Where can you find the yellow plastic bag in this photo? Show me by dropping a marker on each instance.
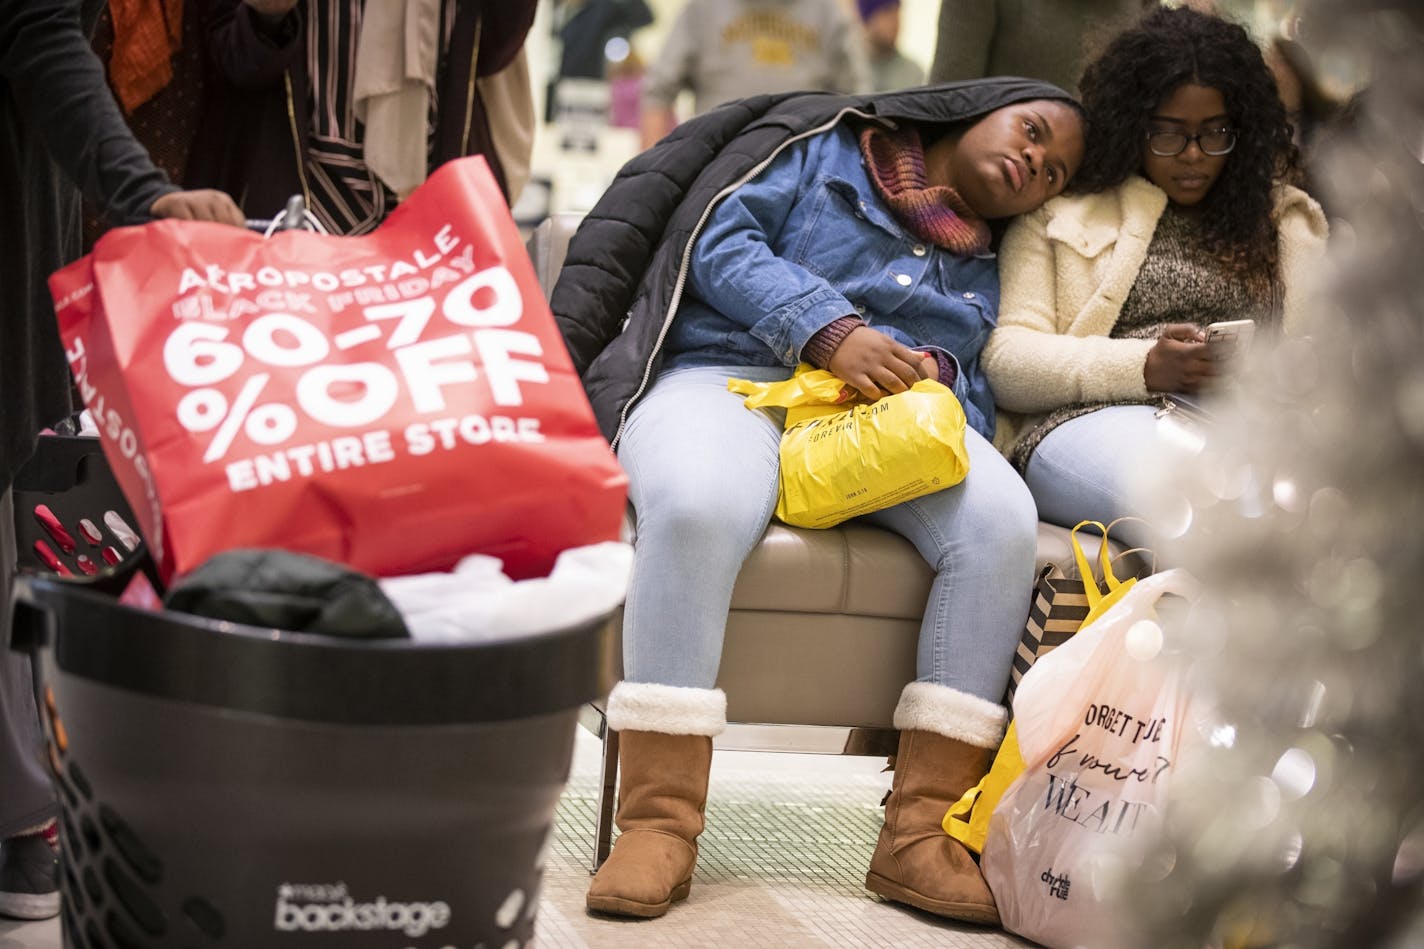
(967, 820)
(842, 459)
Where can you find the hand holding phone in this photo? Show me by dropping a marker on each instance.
(1227, 340)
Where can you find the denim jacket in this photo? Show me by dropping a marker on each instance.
(810, 240)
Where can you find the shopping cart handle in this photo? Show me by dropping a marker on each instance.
(294, 215)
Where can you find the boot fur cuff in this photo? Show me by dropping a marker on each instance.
(927, 707)
(669, 709)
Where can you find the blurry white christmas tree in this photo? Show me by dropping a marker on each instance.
(1305, 826)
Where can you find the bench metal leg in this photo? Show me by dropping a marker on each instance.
(607, 798)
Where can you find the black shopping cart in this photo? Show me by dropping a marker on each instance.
(71, 519)
(231, 786)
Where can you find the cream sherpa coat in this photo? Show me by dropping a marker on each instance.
(1065, 271)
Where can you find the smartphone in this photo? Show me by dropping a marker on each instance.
(1228, 339)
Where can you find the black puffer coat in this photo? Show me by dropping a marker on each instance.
(626, 267)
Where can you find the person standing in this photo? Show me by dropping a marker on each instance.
(61, 134)
(1040, 39)
(319, 98)
(588, 26)
(722, 50)
(890, 69)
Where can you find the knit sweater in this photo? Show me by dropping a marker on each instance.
(1067, 269)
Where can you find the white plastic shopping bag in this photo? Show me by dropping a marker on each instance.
(1102, 721)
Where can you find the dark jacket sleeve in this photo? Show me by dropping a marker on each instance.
(249, 54)
(59, 88)
(504, 24)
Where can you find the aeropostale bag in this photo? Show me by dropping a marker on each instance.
(392, 401)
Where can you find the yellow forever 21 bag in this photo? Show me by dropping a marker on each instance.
(840, 459)
(967, 820)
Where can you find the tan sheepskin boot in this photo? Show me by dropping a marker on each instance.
(664, 756)
(947, 742)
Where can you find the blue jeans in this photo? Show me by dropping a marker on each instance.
(703, 474)
(1084, 469)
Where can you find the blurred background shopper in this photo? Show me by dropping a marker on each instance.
(721, 50)
(351, 104)
(60, 133)
(889, 68)
(1044, 39)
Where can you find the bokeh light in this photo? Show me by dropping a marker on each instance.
(1299, 819)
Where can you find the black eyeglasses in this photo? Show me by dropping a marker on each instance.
(1213, 142)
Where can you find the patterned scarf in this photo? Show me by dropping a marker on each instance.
(146, 35)
(935, 213)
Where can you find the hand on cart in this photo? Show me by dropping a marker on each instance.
(202, 205)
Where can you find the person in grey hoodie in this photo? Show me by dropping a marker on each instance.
(722, 50)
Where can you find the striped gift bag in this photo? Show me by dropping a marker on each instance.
(1060, 604)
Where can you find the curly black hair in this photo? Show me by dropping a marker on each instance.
(1143, 65)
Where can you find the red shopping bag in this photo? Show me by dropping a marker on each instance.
(392, 401)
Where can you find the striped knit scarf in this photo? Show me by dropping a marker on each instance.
(935, 213)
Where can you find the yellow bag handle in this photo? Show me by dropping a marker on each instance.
(1085, 572)
(809, 386)
(810, 393)
(1095, 593)
(962, 821)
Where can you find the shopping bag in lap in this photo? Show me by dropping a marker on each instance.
(840, 460)
(392, 401)
(1103, 722)
(1061, 606)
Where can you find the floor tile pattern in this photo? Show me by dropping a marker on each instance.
(781, 865)
(787, 843)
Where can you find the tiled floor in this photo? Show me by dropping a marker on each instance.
(29, 935)
(780, 865)
(787, 842)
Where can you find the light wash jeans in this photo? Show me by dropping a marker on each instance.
(703, 473)
(1082, 470)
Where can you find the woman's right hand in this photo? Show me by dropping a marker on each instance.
(1180, 361)
(876, 365)
(205, 204)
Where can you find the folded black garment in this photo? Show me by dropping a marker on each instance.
(278, 588)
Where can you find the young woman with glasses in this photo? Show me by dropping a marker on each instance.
(1183, 214)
